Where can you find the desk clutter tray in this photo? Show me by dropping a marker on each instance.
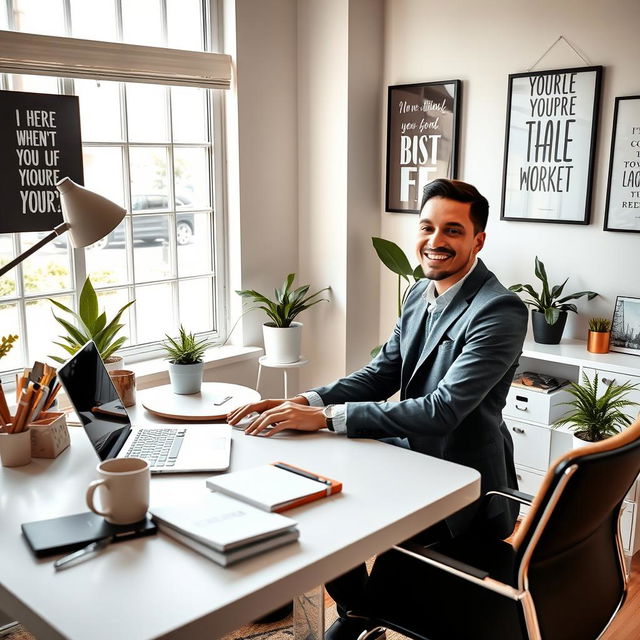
(49, 435)
(213, 402)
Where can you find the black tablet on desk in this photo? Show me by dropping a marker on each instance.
(68, 533)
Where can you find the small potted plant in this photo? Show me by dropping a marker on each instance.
(281, 334)
(185, 354)
(595, 415)
(92, 324)
(599, 335)
(549, 309)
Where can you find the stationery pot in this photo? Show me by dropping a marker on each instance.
(15, 448)
(598, 341)
(282, 344)
(186, 378)
(545, 333)
(113, 363)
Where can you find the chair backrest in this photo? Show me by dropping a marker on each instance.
(568, 552)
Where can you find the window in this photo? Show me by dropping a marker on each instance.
(150, 148)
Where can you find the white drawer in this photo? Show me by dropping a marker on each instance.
(607, 377)
(530, 444)
(545, 408)
(626, 525)
(528, 481)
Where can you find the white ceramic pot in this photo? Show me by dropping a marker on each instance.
(282, 344)
(186, 378)
(114, 362)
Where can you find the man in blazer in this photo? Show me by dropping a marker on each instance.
(452, 356)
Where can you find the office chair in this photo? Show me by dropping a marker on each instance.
(562, 577)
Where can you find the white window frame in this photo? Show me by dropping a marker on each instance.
(31, 54)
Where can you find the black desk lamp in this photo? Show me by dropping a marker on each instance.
(88, 217)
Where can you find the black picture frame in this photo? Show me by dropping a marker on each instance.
(622, 207)
(422, 140)
(550, 143)
(625, 326)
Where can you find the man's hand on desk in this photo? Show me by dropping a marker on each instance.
(277, 415)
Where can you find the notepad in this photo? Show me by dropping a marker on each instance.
(273, 488)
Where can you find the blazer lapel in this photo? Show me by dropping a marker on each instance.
(451, 313)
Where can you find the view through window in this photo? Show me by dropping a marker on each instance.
(149, 148)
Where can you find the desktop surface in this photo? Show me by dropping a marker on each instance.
(155, 587)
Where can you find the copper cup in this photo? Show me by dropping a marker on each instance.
(125, 384)
(598, 341)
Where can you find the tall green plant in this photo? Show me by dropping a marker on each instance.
(91, 325)
(288, 303)
(594, 417)
(548, 300)
(395, 259)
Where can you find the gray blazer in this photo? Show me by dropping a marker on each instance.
(452, 390)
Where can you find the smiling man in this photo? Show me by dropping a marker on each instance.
(452, 356)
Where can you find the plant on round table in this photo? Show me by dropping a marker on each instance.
(548, 300)
(596, 416)
(91, 323)
(186, 348)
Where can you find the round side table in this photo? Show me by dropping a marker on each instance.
(263, 361)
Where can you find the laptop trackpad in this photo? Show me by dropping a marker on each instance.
(206, 448)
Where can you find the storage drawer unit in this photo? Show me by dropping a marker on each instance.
(545, 408)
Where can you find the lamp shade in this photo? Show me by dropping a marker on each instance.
(90, 216)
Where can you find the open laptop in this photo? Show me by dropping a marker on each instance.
(167, 448)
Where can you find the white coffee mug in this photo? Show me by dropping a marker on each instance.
(125, 490)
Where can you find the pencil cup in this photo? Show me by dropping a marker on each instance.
(125, 383)
(15, 448)
(49, 435)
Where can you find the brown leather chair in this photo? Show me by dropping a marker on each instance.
(562, 577)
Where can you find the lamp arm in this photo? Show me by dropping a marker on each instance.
(61, 228)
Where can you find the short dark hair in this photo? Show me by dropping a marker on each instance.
(460, 192)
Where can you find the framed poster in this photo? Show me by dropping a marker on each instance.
(622, 209)
(422, 140)
(39, 145)
(550, 143)
(625, 328)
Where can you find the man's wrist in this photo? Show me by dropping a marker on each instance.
(300, 399)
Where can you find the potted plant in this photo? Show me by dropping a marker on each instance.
(549, 310)
(599, 335)
(395, 259)
(595, 416)
(92, 324)
(281, 334)
(185, 354)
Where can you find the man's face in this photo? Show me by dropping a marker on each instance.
(447, 243)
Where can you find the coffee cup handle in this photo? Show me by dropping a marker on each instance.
(91, 489)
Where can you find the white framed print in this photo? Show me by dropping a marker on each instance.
(625, 328)
(622, 209)
(550, 143)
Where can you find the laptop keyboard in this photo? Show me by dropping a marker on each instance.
(159, 447)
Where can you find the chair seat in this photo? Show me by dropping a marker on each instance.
(424, 602)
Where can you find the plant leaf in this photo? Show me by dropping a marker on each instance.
(392, 256)
(88, 305)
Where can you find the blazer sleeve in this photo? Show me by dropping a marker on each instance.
(378, 380)
(493, 342)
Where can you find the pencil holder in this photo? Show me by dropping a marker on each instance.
(15, 448)
(49, 435)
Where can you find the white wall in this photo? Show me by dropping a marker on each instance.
(481, 43)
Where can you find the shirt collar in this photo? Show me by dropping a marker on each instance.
(435, 302)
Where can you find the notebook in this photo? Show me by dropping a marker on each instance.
(167, 448)
(274, 487)
(223, 529)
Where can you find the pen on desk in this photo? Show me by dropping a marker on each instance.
(94, 547)
(301, 472)
(225, 399)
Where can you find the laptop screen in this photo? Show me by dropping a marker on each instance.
(96, 401)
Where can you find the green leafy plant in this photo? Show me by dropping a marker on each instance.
(548, 301)
(600, 325)
(595, 417)
(288, 303)
(186, 348)
(6, 344)
(395, 259)
(91, 323)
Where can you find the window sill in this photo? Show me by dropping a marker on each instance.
(153, 372)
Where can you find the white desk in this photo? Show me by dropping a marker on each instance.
(157, 588)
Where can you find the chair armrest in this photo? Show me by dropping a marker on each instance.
(440, 558)
(512, 494)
